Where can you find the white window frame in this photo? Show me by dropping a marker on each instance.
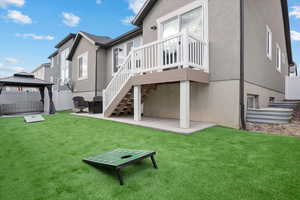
(278, 58)
(183, 10)
(124, 47)
(66, 71)
(86, 54)
(52, 62)
(269, 42)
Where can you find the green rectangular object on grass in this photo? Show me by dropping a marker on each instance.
(120, 158)
(33, 118)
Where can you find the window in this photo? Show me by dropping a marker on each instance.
(189, 19)
(52, 62)
(278, 58)
(269, 43)
(64, 66)
(252, 101)
(83, 66)
(51, 79)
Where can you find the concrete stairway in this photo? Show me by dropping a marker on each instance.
(125, 107)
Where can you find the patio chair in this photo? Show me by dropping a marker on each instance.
(80, 103)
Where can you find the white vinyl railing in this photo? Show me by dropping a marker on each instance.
(181, 50)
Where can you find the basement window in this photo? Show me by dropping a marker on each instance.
(252, 101)
(278, 58)
(269, 43)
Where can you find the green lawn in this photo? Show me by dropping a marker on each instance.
(43, 161)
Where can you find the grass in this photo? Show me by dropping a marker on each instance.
(43, 161)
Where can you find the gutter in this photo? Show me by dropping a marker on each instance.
(242, 65)
(96, 72)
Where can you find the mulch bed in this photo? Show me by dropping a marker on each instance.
(292, 129)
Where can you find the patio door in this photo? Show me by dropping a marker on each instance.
(189, 20)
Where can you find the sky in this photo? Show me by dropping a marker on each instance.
(31, 28)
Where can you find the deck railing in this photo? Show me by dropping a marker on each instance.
(181, 50)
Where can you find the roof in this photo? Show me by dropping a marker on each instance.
(53, 54)
(23, 79)
(103, 41)
(148, 5)
(41, 66)
(98, 40)
(126, 36)
(66, 39)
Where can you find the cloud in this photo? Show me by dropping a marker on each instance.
(136, 5)
(127, 20)
(5, 3)
(18, 17)
(295, 12)
(11, 69)
(34, 36)
(70, 19)
(295, 35)
(11, 60)
(99, 1)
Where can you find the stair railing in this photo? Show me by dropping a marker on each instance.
(180, 50)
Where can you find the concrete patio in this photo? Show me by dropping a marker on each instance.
(171, 125)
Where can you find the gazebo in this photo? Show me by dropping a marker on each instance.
(24, 79)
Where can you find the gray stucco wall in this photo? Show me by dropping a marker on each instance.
(224, 37)
(258, 68)
(86, 85)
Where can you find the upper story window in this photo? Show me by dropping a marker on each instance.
(64, 66)
(269, 43)
(278, 58)
(187, 19)
(83, 66)
(52, 62)
(120, 52)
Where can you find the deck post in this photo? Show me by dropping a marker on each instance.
(184, 104)
(137, 96)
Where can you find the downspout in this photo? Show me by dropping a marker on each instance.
(242, 65)
(96, 76)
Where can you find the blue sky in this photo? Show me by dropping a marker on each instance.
(31, 28)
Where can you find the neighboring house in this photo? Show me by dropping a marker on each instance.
(61, 73)
(42, 72)
(96, 58)
(60, 70)
(188, 60)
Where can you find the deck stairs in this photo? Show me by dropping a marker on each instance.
(125, 107)
(277, 113)
(183, 50)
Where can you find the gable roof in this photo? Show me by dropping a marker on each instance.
(65, 40)
(138, 21)
(148, 5)
(53, 54)
(94, 39)
(103, 41)
(39, 67)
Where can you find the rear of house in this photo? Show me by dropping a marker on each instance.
(183, 61)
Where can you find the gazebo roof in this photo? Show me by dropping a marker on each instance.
(24, 79)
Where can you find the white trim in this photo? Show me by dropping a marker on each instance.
(124, 47)
(86, 54)
(278, 58)
(269, 41)
(183, 10)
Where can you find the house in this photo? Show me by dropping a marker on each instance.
(60, 68)
(191, 60)
(42, 72)
(60, 73)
